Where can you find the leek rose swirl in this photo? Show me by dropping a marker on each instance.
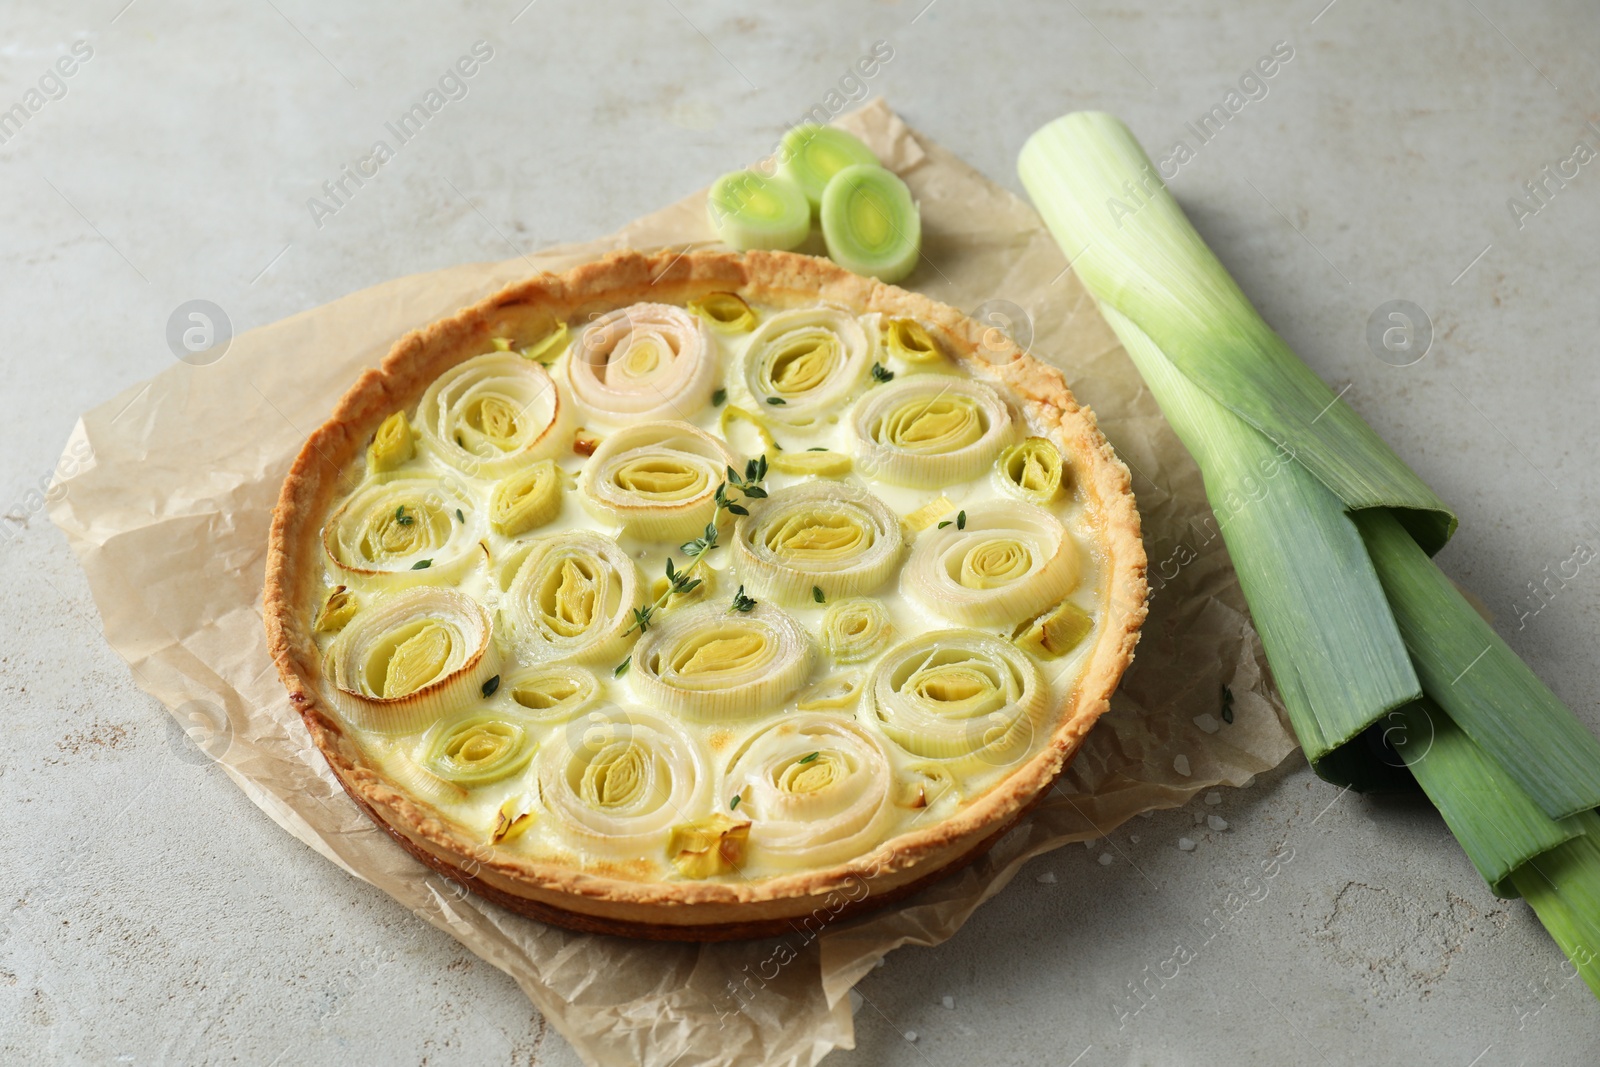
(817, 790)
(407, 659)
(998, 567)
(572, 598)
(550, 693)
(931, 430)
(816, 535)
(1031, 469)
(709, 664)
(648, 361)
(615, 782)
(961, 696)
(478, 749)
(490, 415)
(657, 480)
(803, 365)
(855, 629)
(393, 523)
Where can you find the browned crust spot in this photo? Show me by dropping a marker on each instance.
(604, 903)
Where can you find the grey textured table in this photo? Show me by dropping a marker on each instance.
(151, 914)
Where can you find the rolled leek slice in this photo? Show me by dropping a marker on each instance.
(813, 154)
(477, 749)
(930, 430)
(817, 790)
(657, 480)
(572, 598)
(709, 664)
(710, 846)
(870, 223)
(816, 535)
(403, 529)
(340, 607)
(1031, 469)
(750, 210)
(392, 446)
(855, 629)
(490, 415)
(803, 365)
(405, 660)
(552, 692)
(1003, 564)
(646, 361)
(725, 312)
(615, 782)
(964, 697)
(527, 499)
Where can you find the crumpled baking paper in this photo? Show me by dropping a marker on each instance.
(170, 518)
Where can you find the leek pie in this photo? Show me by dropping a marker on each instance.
(692, 597)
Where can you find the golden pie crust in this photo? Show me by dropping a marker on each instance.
(692, 911)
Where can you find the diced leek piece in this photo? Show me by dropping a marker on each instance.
(725, 312)
(393, 444)
(750, 210)
(870, 223)
(813, 154)
(709, 846)
(911, 341)
(1056, 632)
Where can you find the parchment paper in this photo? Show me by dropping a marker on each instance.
(170, 519)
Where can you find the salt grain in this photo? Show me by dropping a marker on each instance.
(1185, 845)
(1133, 839)
(1048, 878)
(1208, 723)
(1181, 765)
(949, 1002)
(911, 1035)
(1105, 859)
(1213, 798)
(1199, 817)
(1217, 823)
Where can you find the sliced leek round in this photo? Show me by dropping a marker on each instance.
(646, 361)
(930, 430)
(478, 749)
(817, 790)
(993, 567)
(572, 598)
(855, 629)
(802, 366)
(406, 659)
(403, 529)
(491, 414)
(657, 480)
(616, 781)
(709, 663)
(814, 536)
(964, 697)
(1031, 469)
(870, 223)
(813, 154)
(750, 210)
(527, 499)
(551, 692)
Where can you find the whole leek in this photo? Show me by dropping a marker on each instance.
(1330, 532)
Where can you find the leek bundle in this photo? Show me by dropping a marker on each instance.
(1331, 533)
